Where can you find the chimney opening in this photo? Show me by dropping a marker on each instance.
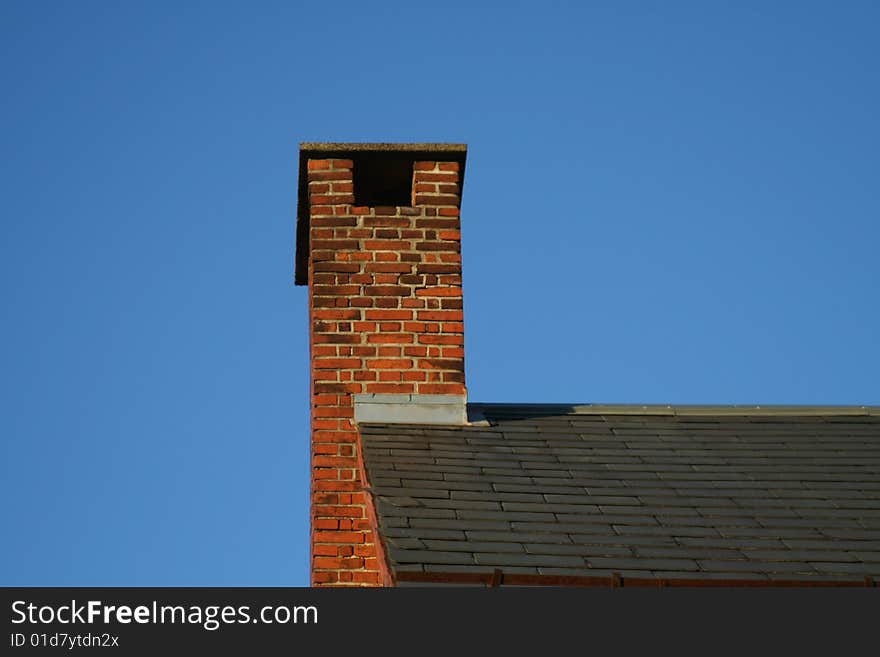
(383, 179)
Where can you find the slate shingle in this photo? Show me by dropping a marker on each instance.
(557, 490)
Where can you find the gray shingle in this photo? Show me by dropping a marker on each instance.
(474, 546)
(537, 560)
(429, 556)
(645, 563)
(522, 537)
(579, 549)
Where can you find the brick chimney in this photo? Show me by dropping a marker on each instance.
(377, 243)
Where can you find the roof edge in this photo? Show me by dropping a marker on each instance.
(616, 580)
(686, 410)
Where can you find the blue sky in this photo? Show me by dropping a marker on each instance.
(664, 203)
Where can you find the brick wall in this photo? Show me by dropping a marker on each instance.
(385, 309)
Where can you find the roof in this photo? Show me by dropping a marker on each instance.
(319, 150)
(555, 493)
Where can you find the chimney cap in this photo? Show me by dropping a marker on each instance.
(312, 149)
(335, 147)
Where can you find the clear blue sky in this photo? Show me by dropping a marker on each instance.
(665, 202)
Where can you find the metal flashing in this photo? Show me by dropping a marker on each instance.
(410, 409)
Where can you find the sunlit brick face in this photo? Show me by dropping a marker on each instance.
(385, 306)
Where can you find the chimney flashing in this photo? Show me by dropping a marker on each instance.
(410, 409)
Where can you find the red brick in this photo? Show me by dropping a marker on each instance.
(421, 176)
(331, 199)
(455, 340)
(325, 577)
(334, 461)
(340, 511)
(390, 364)
(335, 245)
(348, 538)
(392, 338)
(436, 199)
(437, 246)
(325, 550)
(388, 279)
(386, 291)
(329, 175)
(387, 245)
(439, 292)
(332, 411)
(440, 315)
(333, 436)
(335, 563)
(336, 363)
(337, 339)
(325, 524)
(386, 222)
(388, 314)
(333, 222)
(336, 485)
(388, 267)
(440, 388)
(325, 473)
(452, 224)
(336, 267)
(440, 364)
(389, 387)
